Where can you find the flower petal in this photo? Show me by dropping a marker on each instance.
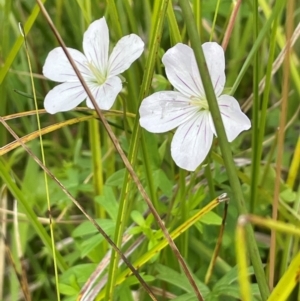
(182, 70)
(192, 141)
(235, 121)
(96, 44)
(106, 93)
(215, 60)
(64, 97)
(127, 50)
(164, 111)
(58, 68)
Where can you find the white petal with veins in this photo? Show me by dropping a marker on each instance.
(127, 50)
(64, 97)
(96, 44)
(58, 68)
(192, 142)
(105, 95)
(164, 111)
(215, 60)
(179, 62)
(235, 121)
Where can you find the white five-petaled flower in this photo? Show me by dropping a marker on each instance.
(187, 109)
(99, 70)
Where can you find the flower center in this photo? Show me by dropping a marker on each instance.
(201, 103)
(99, 76)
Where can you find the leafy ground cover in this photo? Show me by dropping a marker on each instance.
(111, 204)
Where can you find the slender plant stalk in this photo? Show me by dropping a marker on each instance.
(236, 6)
(217, 247)
(241, 257)
(261, 132)
(214, 20)
(224, 145)
(44, 162)
(174, 30)
(95, 143)
(255, 116)
(281, 135)
(265, 101)
(210, 179)
(148, 172)
(294, 167)
(183, 210)
(197, 7)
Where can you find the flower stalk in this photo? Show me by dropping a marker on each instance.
(224, 145)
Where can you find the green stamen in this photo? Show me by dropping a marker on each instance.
(201, 103)
(100, 78)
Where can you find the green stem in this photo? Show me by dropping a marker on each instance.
(134, 143)
(255, 116)
(214, 21)
(95, 143)
(263, 32)
(224, 144)
(173, 26)
(197, 7)
(184, 211)
(263, 115)
(210, 180)
(148, 172)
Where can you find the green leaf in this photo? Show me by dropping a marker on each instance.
(137, 217)
(173, 277)
(231, 277)
(135, 230)
(211, 218)
(288, 195)
(162, 182)
(67, 290)
(152, 149)
(116, 179)
(108, 202)
(80, 273)
(160, 83)
(162, 149)
(233, 290)
(87, 227)
(91, 243)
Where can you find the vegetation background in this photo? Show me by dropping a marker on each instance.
(78, 151)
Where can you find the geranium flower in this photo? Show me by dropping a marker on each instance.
(99, 70)
(187, 109)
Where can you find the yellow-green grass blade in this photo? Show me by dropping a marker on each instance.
(15, 49)
(287, 282)
(9, 147)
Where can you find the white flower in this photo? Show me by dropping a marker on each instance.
(99, 70)
(187, 110)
